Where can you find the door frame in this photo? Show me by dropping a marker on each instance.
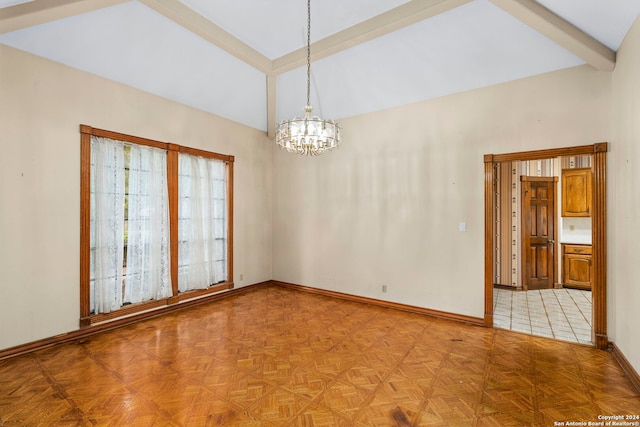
(598, 152)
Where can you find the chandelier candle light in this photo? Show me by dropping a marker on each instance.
(309, 135)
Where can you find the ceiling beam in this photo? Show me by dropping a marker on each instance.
(560, 31)
(37, 12)
(196, 23)
(385, 23)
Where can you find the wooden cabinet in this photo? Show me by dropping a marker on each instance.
(576, 192)
(577, 268)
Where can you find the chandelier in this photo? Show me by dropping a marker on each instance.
(308, 135)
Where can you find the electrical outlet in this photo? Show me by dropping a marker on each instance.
(241, 277)
(384, 288)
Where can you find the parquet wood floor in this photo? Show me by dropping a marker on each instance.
(279, 357)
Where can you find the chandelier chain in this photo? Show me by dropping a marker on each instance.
(308, 52)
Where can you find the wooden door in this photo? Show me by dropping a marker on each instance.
(538, 232)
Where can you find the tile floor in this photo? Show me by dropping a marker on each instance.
(563, 314)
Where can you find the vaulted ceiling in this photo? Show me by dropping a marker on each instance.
(245, 59)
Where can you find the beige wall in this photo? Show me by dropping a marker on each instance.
(382, 210)
(42, 105)
(624, 201)
(385, 208)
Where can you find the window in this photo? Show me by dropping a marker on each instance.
(202, 227)
(155, 224)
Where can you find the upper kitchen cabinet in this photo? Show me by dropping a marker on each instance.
(576, 192)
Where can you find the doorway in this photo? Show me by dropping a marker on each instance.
(598, 153)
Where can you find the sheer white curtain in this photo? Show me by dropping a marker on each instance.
(202, 225)
(107, 223)
(148, 271)
(144, 205)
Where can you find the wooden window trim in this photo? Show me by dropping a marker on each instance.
(86, 132)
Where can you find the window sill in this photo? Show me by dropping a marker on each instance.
(155, 308)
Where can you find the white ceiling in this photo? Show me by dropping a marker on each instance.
(278, 27)
(242, 59)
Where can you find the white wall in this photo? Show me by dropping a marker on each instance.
(385, 208)
(42, 105)
(623, 191)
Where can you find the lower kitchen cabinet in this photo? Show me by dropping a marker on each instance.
(577, 267)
